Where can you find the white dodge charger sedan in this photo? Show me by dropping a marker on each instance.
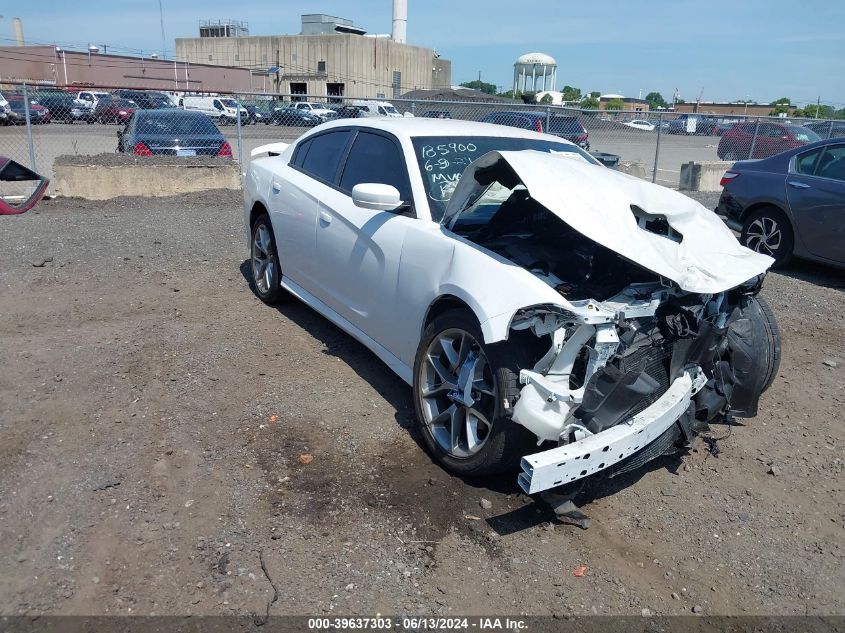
(548, 312)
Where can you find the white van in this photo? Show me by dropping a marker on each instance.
(378, 108)
(224, 110)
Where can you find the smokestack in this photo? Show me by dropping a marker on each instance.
(17, 26)
(400, 21)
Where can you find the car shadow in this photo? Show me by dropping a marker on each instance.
(369, 367)
(814, 273)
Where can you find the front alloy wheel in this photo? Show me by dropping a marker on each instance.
(264, 261)
(458, 396)
(464, 391)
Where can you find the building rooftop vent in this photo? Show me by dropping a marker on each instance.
(224, 28)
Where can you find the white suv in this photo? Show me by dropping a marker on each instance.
(316, 109)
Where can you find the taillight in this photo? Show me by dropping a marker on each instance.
(141, 149)
(225, 149)
(583, 137)
(728, 177)
(538, 125)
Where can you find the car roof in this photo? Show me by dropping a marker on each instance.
(170, 113)
(421, 126)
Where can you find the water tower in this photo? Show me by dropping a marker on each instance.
(531, 67)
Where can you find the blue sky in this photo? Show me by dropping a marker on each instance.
(733, 49)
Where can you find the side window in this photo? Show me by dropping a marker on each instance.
(375, 158)
(832, 163)
(324, 154)
(301, 152)
(806, 162)
(381, 110)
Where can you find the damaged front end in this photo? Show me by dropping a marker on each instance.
(651, 368)
(658, 330)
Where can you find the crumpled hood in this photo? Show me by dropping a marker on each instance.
(597, 202)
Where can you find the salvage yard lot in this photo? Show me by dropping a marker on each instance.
(162, 432)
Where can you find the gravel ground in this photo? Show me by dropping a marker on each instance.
(163, 433)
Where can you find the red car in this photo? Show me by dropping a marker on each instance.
(17, 112)
(768, 139)
(117, 111)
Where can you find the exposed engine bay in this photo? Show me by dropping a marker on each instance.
(635, 365)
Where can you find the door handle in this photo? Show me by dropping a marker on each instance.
(798, 184)
(325, 217)
(277, 188)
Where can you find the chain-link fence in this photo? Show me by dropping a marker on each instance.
(42, 124)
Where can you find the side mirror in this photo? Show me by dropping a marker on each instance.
(376, 196)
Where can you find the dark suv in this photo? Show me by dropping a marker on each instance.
(145, 100)
(568, 127)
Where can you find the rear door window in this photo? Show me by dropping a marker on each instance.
(806, 162)
(832, 163)
(324, 154)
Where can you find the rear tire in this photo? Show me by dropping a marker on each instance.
(769, 232)
(264, 262)
(486, 440)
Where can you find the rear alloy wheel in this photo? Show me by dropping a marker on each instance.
(460, 391)
(767, 231)
(732, 156)
(264, 262)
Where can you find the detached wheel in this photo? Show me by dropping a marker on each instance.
(769, 232)
(460, 387)
(264, 262)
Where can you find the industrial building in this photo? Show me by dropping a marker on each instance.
(330, 57)
(49, 65)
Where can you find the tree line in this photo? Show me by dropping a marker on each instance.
(590, 101)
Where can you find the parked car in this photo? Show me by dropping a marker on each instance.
(63, 108)
(295, 117)
(543, 308)
(258, 112)
(147, 100)
(827, 129)
(438, 114)
(172, 133)
(693, 124)
(568, 127)
(350, 112)
(767, 137)
(90, 97)
(641, 124)
(116, 111)
(319, 110)
(16, 115)
(790, 204)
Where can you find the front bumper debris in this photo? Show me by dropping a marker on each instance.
(570, 462)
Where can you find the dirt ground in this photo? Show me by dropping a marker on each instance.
(154, 416)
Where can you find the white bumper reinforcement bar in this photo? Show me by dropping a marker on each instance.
(568, 463)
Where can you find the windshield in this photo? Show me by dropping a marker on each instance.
(804, 134)
(390, 109)
(442, 160)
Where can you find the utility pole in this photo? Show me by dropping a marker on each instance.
(163, 40)
(818, 105)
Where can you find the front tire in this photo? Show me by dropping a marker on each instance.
(264, 262)
(464, 391)
(769, 232)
